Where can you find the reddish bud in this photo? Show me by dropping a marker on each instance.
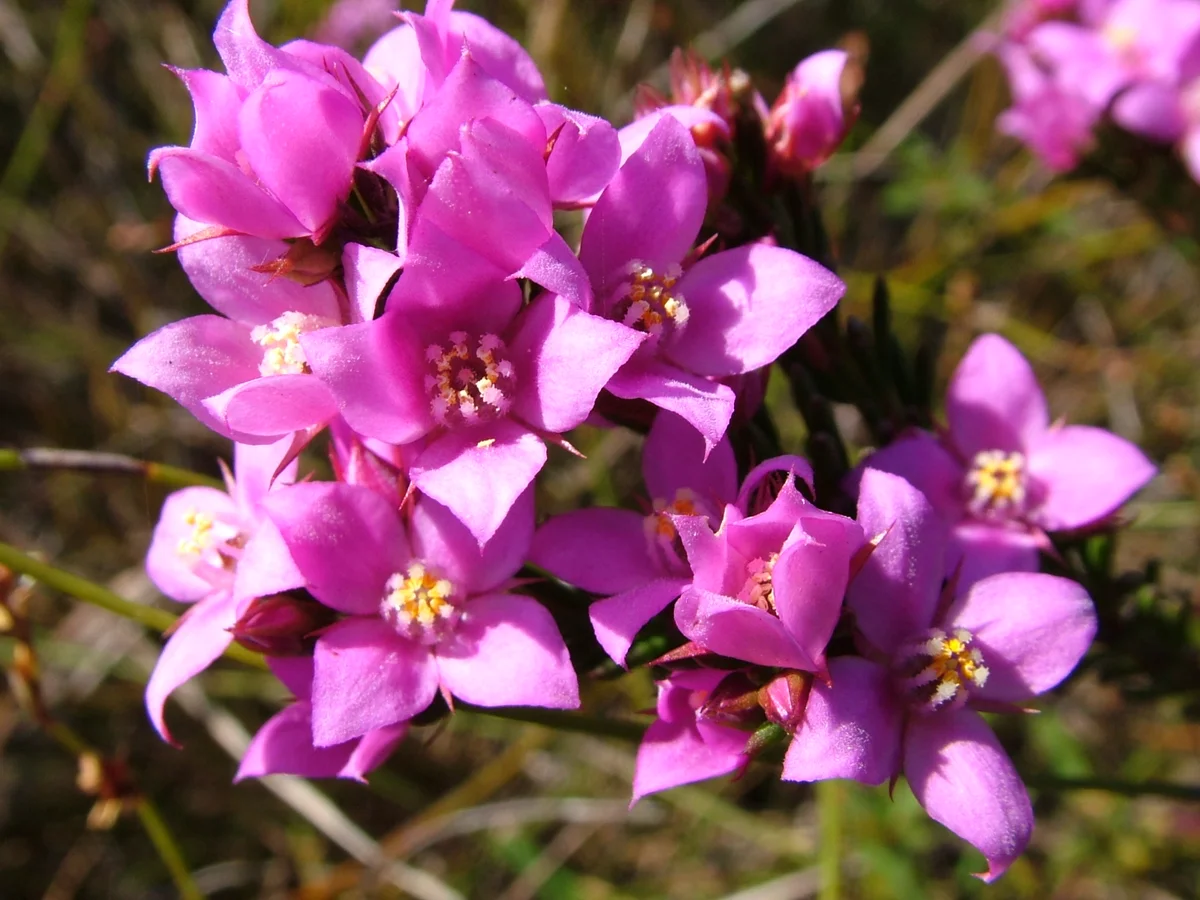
(785, 698)
(734, 701)
(281, 625)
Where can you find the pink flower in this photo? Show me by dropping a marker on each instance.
(276, 140)
(767, 588)
(1118, 44)
(1003, 475)
(684, 746)
(1055, 123)
(729, 313)
(244, 373)
(908, 705)
(284, 744)
(469, 378)
(214, 550)
(426, 610)
(816, 109)
(636, 561)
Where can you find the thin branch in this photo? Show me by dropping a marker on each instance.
(168, 849)
(560, 720)
(94, 461)
(98, 595)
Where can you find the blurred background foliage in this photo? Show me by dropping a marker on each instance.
(1093, 275)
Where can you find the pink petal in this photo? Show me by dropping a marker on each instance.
(809, 581)
(994, 401)
(731, 628)
(651, 211)
(600, 550)
(256, 469)
(978, 550)
(555, 392)
(198, 640)
(220, 269)
(266, 566)
(247, 57)
(1086, 473)
(478, 473)
(376, 372)
(1153, 110)
(468, 93)
(273, 405)
(216, 100)
(499, 55)
(633, 135)
(964, 779)
(506, 651)
(793, 466)
(366, 677)
(324, 525)
(617, 619)
(368, 271)
(851, 727)
(707, 405)
(372, 751)
(585, 155)
(896, 592)
(177, 574)
(1032, 630)
(683, 752)
(920, 459)
(301, 141)
(194, 359)
(709, 555)
(555, 267)
(673, 457)
(747, 305)
(215, 192)
(284, 746)
(492, 195)
(444, 542)
(446, 286)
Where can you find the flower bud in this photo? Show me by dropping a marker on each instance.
(734, 701)
(818, 106)
(281, 624)
(785, 698)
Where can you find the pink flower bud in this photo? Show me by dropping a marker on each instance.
(818, 106)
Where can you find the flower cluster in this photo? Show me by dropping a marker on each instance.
(377, 241)
(1071, 63)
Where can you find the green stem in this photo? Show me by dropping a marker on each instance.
(98, 595)
(91, 461)
(831, 796)
(563, 721)
(168, 849)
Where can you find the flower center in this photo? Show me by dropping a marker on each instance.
(281, 342)
(201, 537)
(996, 483)
(649, 301)
(942, 668)
(420, 604)
(470, 380)
(759, 588)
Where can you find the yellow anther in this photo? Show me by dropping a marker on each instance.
(952, 666)
(996, 481)
(201, 537)
(281, 342)
(418, 597)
